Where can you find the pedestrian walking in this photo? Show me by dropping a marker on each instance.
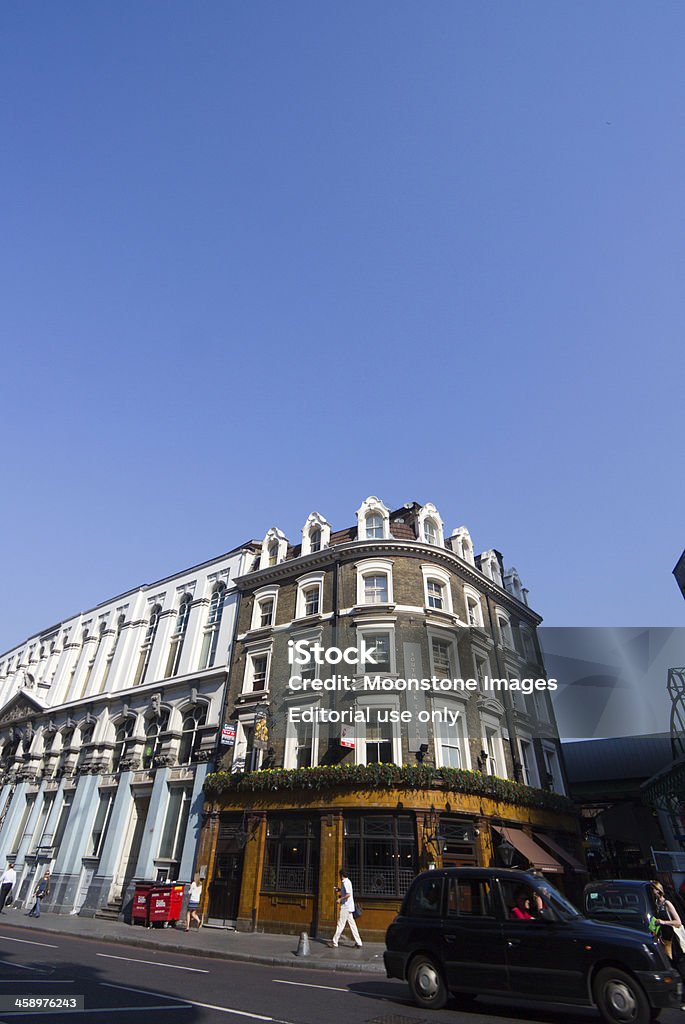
(7, 882)
(42, 890)
(347, 912)
(194, 897)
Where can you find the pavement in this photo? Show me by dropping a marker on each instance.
(252, 947)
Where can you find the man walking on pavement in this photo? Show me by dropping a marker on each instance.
(346, 913)
(7, 883)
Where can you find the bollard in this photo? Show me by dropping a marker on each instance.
(303, 945)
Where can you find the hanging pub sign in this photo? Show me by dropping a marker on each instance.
(346, 737)
(228, 735)
(261, 731)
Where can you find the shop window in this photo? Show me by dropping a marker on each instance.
(104, 811)
(291, 860)
(380, 854)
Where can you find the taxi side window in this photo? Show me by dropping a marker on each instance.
(469, 897)
(426, 897)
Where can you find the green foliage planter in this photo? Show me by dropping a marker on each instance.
(387, 776)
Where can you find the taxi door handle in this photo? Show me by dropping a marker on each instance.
(513, 942)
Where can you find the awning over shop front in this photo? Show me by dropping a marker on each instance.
(533, 853)
(561, 852)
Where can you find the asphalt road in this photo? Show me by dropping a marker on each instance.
(129, 985)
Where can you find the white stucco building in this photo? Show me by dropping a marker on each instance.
(108, 723)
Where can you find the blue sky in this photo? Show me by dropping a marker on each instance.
(260, 258)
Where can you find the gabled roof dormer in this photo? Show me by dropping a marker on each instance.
(430, 526)
(460, 542)
(316, 534)
(373, 520)
(274, 548)
(491, 566)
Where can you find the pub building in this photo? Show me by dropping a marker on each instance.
(387, 780)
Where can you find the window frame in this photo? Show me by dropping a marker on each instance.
(259, 597)
(306, 584)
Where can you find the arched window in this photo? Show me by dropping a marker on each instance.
(178, 636)
(193, 720)
(315, 539)
(122, 736)
(146, 646)
(153, 739)
(210, 639)
(273, 552)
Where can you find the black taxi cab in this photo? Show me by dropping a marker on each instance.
(497, 931)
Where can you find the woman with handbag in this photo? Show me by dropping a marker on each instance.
(670, 929)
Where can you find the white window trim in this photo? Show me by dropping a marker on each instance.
(240, 748)
(264, 593)
(473, 595)
(248, 676)
(493, 723)
(377, 701)
(370, 505)
(534, 776)
(506, 635)
(373, 567)
(290, 751)
(453, 655)
(558, 781)
(429, 511)
(312, 579)
(274, 535)
(367, 632)
(315, 520)
(434, 572)
(454, 705)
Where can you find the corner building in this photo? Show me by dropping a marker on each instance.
(466, 777)
(108, 727)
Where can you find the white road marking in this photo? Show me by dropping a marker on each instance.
(152, 963)
(304, 984)
(39, 981)
(194, 1002)
(21, 967)
(27, 942)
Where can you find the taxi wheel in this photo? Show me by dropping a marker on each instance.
(619, 998)
(426, 983)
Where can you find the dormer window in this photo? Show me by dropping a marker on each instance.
(429, 526)
(274, 548)
(373, 520)
(316, 534)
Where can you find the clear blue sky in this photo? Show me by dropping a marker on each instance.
(261, 258)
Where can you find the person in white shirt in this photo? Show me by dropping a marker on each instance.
(7, 883)
(346, 913)
(194, 896)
